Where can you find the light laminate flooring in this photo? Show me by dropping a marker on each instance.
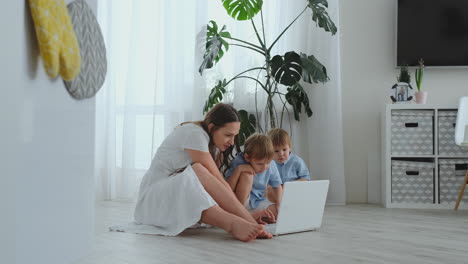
(349, 234)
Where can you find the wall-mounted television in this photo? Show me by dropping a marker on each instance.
(434, 30)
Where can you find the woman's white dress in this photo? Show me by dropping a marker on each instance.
(171, 201)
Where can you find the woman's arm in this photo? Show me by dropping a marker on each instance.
(205, 159)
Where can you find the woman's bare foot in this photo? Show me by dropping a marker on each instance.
(244, 230)
(263, 234)
(233, 224)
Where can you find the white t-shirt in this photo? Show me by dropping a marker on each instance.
(171, 155)
(171, 197)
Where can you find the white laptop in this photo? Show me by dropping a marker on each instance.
(301, 207)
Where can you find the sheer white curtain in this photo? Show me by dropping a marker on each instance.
(153, 83)
(321, 137)
(151, 86)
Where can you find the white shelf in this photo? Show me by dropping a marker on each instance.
(420, 106)
(449, 206)
(452, 157)
(428, 156)
(413, 156)
(387, 157)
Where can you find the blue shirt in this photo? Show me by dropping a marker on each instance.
(260, 180)
(293, 169)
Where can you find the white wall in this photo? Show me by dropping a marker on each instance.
(8, 77)
(367, 30)
(47, 153)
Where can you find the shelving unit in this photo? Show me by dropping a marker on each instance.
(407, 183)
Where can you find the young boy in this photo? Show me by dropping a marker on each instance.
(251, 172)
(290, 166)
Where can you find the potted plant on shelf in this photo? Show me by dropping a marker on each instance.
(279, 76)
(402, 90)
(421, 96)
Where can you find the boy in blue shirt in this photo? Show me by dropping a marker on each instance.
(291, 167)
(251, 172)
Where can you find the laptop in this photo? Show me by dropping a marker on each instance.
(301, 207)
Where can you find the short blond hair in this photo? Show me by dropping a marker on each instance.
(279, 137)
(259, 146)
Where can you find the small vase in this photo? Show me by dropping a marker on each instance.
(421, 97)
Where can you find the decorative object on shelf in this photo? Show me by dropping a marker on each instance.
(421, 96)
(277, 72)
(58, 45)
(402, 91)
(92, 50)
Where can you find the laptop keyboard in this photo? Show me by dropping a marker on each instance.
(271, 228)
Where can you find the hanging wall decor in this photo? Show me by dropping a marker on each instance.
(57, 41)
(93, 52)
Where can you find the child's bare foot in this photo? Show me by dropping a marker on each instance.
(244, 231)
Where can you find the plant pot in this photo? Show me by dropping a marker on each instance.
(421, 97)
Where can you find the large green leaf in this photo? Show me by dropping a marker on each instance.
(313, 70)
(242, 9)
(248, 124)
(215, 46)
(296, 97)
(286, 70)
(320, 15)
(216, 95)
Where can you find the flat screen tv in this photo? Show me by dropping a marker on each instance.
(434, 30)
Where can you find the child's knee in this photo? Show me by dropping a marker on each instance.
(246, 177)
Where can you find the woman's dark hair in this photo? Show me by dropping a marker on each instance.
(220, 115)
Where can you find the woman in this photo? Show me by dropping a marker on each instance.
(184, 186)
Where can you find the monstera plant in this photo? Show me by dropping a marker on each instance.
(279, 76)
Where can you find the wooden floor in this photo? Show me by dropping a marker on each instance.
(349, 234)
